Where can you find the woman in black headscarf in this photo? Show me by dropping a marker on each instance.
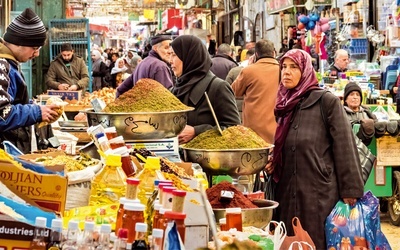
(315, 160)
(191, 64)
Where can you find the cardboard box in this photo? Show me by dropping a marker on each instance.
(49, 191)
(67, 95)
(15, 235)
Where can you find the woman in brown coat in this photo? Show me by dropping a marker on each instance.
(315, 163)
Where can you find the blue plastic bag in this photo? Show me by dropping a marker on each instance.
(356, 227)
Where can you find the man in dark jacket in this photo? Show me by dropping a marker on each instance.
(154, 66)
(67, 71)
(23, 39)
(223, 62)
(340, 64)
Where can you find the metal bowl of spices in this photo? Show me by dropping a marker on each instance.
(233, 162)
(141, 125)
(257, 217)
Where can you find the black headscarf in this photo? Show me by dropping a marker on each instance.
(196, 62)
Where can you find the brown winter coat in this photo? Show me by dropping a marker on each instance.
(258, 84)
(318, 169)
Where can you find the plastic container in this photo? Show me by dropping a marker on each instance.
(140, 242)
(157, 215)
(157, 236)
(234, 218)
(147, 177)
(222, 224)
(126, 161)
(167, 196)
(103, 144)
(179, 219)
(38, 242)
(111, 132)
(121, 242)
(161, 190)
(117, 142)
(132, 188)
(178, 200)
(133, 213)
(109, 185)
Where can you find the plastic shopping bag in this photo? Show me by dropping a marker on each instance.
(356, 227)
(278, 234)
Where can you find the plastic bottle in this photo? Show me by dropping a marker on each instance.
(133, 213)
(147, 177)
(234, 218)
(167, 196)
(117, 142)
(86, 241)
(179, 219)
(222, 224)
(178, 200)
(71, 242)
(104, 238)
(161, 188)
(103, 143)
(131, 188)
(157, 215)
(156, 240)
(38, 242)
(126, 161)
(140, 237)
(122, 240)
(55, 235)
(109, 185)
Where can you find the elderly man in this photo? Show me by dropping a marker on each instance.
(22, 41)
(223, 62)
(154, 66)
(340, 64)
(258, 85)
(67, 71)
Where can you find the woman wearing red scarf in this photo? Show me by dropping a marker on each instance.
(314, 164)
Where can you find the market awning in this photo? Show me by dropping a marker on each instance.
(97, 27)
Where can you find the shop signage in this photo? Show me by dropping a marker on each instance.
(275, 6)
(148, 14)
(388, 149)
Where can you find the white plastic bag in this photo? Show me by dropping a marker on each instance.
(299, 245)
(279, 233)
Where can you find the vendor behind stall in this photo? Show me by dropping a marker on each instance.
(359, 114)
(340, 63)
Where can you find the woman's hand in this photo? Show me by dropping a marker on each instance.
(186, 135)
(350, 201)
(269, 168)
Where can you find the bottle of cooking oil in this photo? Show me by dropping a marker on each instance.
(147, 177)
(109, 185)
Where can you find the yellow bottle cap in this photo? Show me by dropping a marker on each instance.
(113, 160)
(153, 162)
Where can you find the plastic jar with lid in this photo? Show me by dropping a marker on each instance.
(120, 213)
(117, 142)
(222, 224)
(157, 215)
(111, 132)
(234, 218)
(161, 190)
(133, 213)
(167, 196)
(126, 161)
(103, 143)
(178, 200)
(131, 188)
(179, 219)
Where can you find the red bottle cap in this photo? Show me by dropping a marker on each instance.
(179, 193)
(123, 233)
(174, 215)
(132, 181)
(168, 189)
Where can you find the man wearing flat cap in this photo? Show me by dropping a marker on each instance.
(22, 42)
(154, 66)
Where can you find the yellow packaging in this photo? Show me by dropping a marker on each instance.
(48, 191)
(109, 185)
(104, 214)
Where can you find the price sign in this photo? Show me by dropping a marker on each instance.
(388, 149)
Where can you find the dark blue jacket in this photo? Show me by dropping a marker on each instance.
(16, 114)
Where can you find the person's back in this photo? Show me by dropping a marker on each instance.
(234, 72)
(223, 62)
(258, 85)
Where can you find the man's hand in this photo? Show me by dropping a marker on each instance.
(49, 113)
(73, 87)
(186, 135)
(350, 201)
(63, 86)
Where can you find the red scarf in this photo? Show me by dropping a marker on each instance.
(287, 100)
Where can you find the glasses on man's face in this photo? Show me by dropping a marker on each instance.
(36, 49)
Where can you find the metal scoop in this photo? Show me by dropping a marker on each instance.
(213, 113)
